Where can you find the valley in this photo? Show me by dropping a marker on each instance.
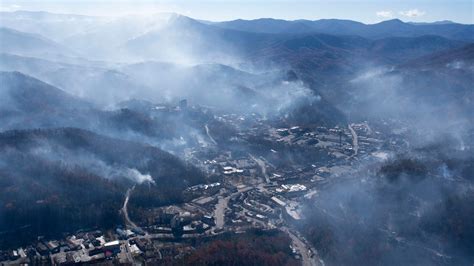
(168, 140)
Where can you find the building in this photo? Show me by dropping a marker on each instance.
(229, 170)
(112, 246)
(42, 249)
(95, 251)
(207, 219)
(279, 201)
(53, 246)
(292, 189)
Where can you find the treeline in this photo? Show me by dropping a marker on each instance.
(252, 248)
(43, 198)
(61, 180)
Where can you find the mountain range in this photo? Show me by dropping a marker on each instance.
(389, 28)
(91, 106)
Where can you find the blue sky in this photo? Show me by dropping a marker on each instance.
(368, 11)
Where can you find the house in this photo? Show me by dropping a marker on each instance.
(42, 249)
(14, 255)
(53, 246)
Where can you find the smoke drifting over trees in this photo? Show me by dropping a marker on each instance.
(92, 106)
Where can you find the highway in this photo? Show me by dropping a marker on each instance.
(308, 255)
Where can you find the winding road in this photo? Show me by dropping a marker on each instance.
(124, 209)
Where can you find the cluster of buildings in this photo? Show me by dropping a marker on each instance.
(82, 247)
(247, 191)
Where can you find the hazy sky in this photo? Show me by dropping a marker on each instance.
(368, 11)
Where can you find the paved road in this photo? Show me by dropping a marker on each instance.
(305, 250)
(127, 252)
(219, 212)
(124, 209)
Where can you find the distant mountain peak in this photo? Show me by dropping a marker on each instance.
(392, 21)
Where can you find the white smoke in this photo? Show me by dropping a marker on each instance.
(92, 163)
(137, 177)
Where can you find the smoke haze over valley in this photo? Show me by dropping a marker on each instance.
(164, 139)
